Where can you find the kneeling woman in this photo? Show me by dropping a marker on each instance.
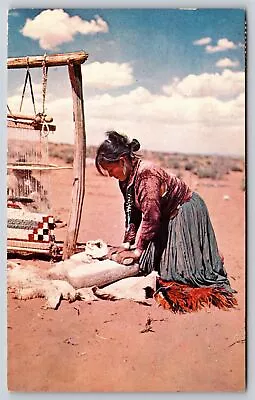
(176, 237)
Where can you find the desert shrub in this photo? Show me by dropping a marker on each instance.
(176, 165)
(54, 153)
(207, 172)
(91, 152)
(61, 151)
(167, 162)
(161, 157)
(69, 158)
(189, 166)
(236, 168)
(216, 169)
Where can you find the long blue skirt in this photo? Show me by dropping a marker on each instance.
(185, 249)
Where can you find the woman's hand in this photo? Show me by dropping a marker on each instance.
(126, 257)
(114, 250)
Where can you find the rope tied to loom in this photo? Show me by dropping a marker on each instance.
(28, 78)
(44, 82)
(44, 132)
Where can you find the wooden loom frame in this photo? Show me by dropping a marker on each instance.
(73, 61)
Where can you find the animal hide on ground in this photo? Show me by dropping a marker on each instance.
(30, 282)
(136, 288)
(77, 278)
(84, 277)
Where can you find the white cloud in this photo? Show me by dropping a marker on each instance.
(227, 63)
(202, 41)
(202, 125)
(225, 85)
(54, 27)
(180, 110)
(160, 122)
(205, 124)
(107, 75)
(222, 45)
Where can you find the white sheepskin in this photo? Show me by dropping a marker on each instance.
(29, 282)
(66, 280)
(132, 288)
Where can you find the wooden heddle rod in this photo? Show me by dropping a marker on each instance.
(73, 61)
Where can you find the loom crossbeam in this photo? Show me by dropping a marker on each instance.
(50, 60)
(34, 118)
(30, 125)
(36, 167)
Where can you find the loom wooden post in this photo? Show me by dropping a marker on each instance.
(78, 190)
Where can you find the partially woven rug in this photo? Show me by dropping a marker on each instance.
(181, 298)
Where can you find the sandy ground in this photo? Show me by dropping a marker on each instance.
(99, 347)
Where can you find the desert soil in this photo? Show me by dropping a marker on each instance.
(100, 347)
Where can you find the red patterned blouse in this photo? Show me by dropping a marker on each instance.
(150, 195)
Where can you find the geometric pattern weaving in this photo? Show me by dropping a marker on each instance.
(29, 226)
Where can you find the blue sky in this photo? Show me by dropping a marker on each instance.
(172, 78)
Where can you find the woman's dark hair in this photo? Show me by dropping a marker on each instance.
(115, 146)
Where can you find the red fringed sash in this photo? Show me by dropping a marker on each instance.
(181, 298)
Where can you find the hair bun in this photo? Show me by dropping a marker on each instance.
(117, 138)
(134, 145)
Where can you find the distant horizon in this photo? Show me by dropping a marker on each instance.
(236, 156)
